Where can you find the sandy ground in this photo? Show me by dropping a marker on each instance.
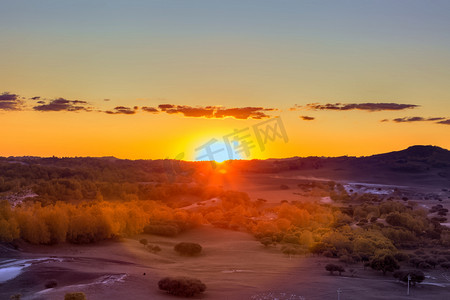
(233, 266)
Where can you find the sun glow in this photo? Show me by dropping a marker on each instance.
(215, 150)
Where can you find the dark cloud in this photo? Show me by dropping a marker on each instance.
(445, 122)
(355, 106)
(307, 118)
(10, 102)
(62, 104)
(216, 112)
(244, 113)
(436, 120)
(189, 111)
(409, 119)
(122, 110)
(35, 98)
(106, 99)
(164, 107)
(415, 119)
(150, 109)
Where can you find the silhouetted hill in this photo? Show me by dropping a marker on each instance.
(421, 153)
(423, 165)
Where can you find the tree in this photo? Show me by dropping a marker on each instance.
(385, 263)
(319, 248)
(182, 286)
(189, 249)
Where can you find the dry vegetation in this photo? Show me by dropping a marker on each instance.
(102, 200)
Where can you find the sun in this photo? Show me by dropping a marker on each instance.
(215, 150)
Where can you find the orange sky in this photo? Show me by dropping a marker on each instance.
(231, 61)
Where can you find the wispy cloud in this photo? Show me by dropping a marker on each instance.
(122, 110)
(217, 112)
(415, 119)
(355, 106)
(10, 102)
(436, 120)
(445, 122)
(62, 104)
(188, 111)
(150, 109)
(307, 118)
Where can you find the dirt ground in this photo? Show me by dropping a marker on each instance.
(233, 265)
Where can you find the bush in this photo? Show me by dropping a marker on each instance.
(75, 296)
(267, 241)
(189, 249)
(416, 276)
(347, 259)
(400, 256)
(153, 248)
(424, 265)
(182, 286)
(162, 229)
(51, 284)
(332, 268)
(445, 265)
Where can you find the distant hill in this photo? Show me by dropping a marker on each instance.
(423, 165)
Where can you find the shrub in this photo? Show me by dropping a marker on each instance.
(181, 286)
(416, 276)
(400, 256)
(51, 284)
(332, 268)
(189, 249)
(75, 296)
(347, 259)
(445, 265)
(267, 241)
(424, 265)
(143, 242)
(162, 229)
(153, 248)
(292, 250)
